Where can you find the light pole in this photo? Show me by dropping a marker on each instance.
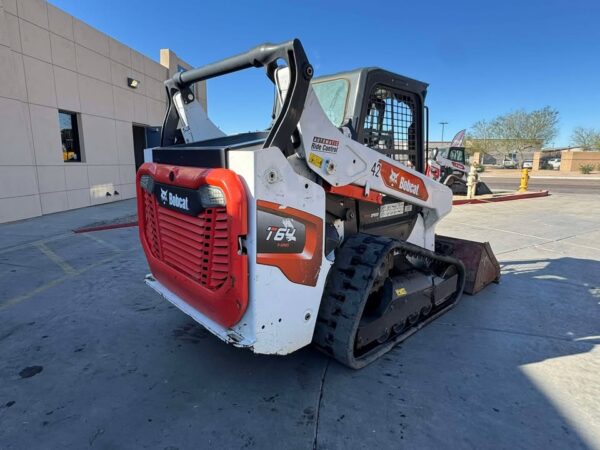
(443, 124)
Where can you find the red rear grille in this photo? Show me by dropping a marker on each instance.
(151, 224)
(195, 246)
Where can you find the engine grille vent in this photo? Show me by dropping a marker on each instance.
(198, 247)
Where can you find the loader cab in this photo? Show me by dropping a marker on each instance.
(455, 154)
(382, 110)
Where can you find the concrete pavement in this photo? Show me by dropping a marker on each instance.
(55, 225)
(93, 359)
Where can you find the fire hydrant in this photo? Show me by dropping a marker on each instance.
(472, 182)
(524, 180)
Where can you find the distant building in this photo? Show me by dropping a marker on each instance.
(561, 149)
(439, 144)
(498, 150)
(495, 151)
(77, 108)
(571, 158)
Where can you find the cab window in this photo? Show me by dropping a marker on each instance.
(389, 125)
(457, 154)
(332, 95)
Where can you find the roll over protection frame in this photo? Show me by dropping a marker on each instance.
(265, 55)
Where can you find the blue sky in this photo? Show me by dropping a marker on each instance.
(481, 58)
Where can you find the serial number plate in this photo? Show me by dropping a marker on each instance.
(393, 209)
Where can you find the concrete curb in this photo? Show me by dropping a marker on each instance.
(543, 177)
(105, 227)
(503, 198)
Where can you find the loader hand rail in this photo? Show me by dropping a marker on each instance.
(265, 55)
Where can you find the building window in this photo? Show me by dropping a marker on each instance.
(69, 135)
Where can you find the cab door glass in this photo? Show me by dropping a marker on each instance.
(332, 95)
(457, 155)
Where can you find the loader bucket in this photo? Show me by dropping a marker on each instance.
(482, 189)
(481, 265)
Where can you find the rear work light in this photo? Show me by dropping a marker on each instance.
(211, 196)
(147, 183)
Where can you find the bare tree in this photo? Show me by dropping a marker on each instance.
(586, 138)
(527, 129)
(481, 138)
(517, 131)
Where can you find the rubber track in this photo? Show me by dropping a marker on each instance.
(350, 280)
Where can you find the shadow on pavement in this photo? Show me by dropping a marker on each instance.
(109, 364)
(509, 368)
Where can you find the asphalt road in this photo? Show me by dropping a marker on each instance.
(556, 186)
(92, 358)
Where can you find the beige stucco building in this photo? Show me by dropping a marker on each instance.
(76, 110)
(571, 159)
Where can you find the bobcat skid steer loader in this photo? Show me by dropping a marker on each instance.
(449, 167)
(320, 229)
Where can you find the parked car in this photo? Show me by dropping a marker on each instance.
(509, 164)
(554, 163)
(527, 164)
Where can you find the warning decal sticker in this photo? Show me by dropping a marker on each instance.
(315, 160)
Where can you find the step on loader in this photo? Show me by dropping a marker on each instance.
(320, 229)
